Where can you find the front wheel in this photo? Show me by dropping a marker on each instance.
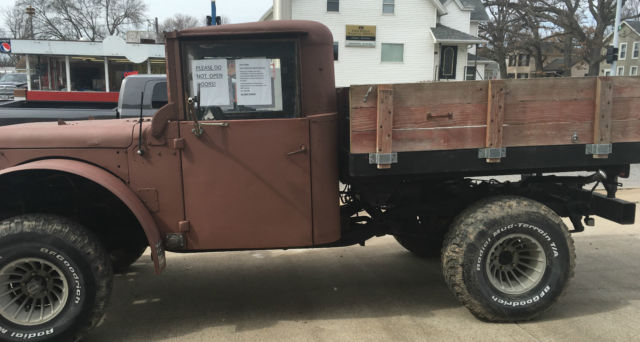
(508, 258)
(55, 279)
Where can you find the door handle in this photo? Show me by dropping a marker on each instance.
(302, 149)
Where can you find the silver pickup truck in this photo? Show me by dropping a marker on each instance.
(154, 88)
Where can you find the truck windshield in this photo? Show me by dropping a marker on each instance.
(243, 79)
(14, 78)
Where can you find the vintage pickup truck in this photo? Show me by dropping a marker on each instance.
(251, 149)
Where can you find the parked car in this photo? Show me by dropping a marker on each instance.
(10, 82)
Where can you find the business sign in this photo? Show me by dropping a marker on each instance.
(212, 76)
(361, 35)
(5, 46)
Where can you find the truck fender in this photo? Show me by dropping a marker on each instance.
(113, 184)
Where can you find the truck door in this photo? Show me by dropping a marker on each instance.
(245, 163)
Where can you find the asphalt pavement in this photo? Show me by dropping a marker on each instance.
(375, 293)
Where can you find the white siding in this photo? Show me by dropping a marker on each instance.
(409, 25)
(456, 18)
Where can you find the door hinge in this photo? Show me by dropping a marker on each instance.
(177, 143)
(183, 226)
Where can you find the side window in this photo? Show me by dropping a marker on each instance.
(336, 48)
(622, 51)
(243, 79)
(159, 95)
(392, 52)
(388, 6)
(333, 5)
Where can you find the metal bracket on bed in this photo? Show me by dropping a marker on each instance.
(383, 158)
(599, 149)
(492, 153)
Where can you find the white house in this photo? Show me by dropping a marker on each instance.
(396, 41)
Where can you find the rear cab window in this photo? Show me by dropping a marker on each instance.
(243, 79)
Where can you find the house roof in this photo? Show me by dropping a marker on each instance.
(558, 64)
(444, 34)
(471, 58)
(479, 13)
(635, 25)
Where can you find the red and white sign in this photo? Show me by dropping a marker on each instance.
(5, 46)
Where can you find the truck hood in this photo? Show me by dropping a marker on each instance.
(73, 134)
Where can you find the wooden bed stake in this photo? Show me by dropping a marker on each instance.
(602, 120)
(495, 116)
(384, 121)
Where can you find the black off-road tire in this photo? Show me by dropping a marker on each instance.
(37, 248)
(469, 258)
(122, 258)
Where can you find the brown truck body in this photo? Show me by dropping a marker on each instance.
(183, 181)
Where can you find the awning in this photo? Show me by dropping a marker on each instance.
(444, 34)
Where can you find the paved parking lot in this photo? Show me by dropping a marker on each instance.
(373, 293)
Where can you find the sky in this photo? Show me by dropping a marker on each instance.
(238, 11)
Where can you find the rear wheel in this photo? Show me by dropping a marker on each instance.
(508, 258)
(55, 279)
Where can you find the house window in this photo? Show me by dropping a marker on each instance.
(512, 60)
(523, 75)
(620, 71)
(448, 62)
(633, 71)
(388, 6)
(392, 52)
(333, 5)
(470, 73)
(636, 50)
(607, 73)
(335, 50)
(511, 75)
(523, 60)
(623, 51)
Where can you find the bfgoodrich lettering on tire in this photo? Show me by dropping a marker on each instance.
(508, 258)
(55, 279)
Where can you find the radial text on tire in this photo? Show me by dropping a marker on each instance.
(508, 258)
(55, 279)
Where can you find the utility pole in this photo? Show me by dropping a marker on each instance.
(616, 36)
(31, 11)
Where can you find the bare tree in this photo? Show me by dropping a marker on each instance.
(179, 22)
(16, 22)
(502, 32)
(584, 22)
(122, 13)
(77, 19)
(631, 9)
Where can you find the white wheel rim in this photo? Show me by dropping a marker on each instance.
(32, 291)
(515, 264)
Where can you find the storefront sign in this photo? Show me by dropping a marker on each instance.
(5, 46)
(213, 77)
(360, 35)
(254, 82)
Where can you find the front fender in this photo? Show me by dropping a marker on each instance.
(116, 187)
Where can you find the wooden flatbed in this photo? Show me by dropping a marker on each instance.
(491, 127)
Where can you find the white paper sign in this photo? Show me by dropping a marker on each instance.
(213, 77)
(254, 82)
